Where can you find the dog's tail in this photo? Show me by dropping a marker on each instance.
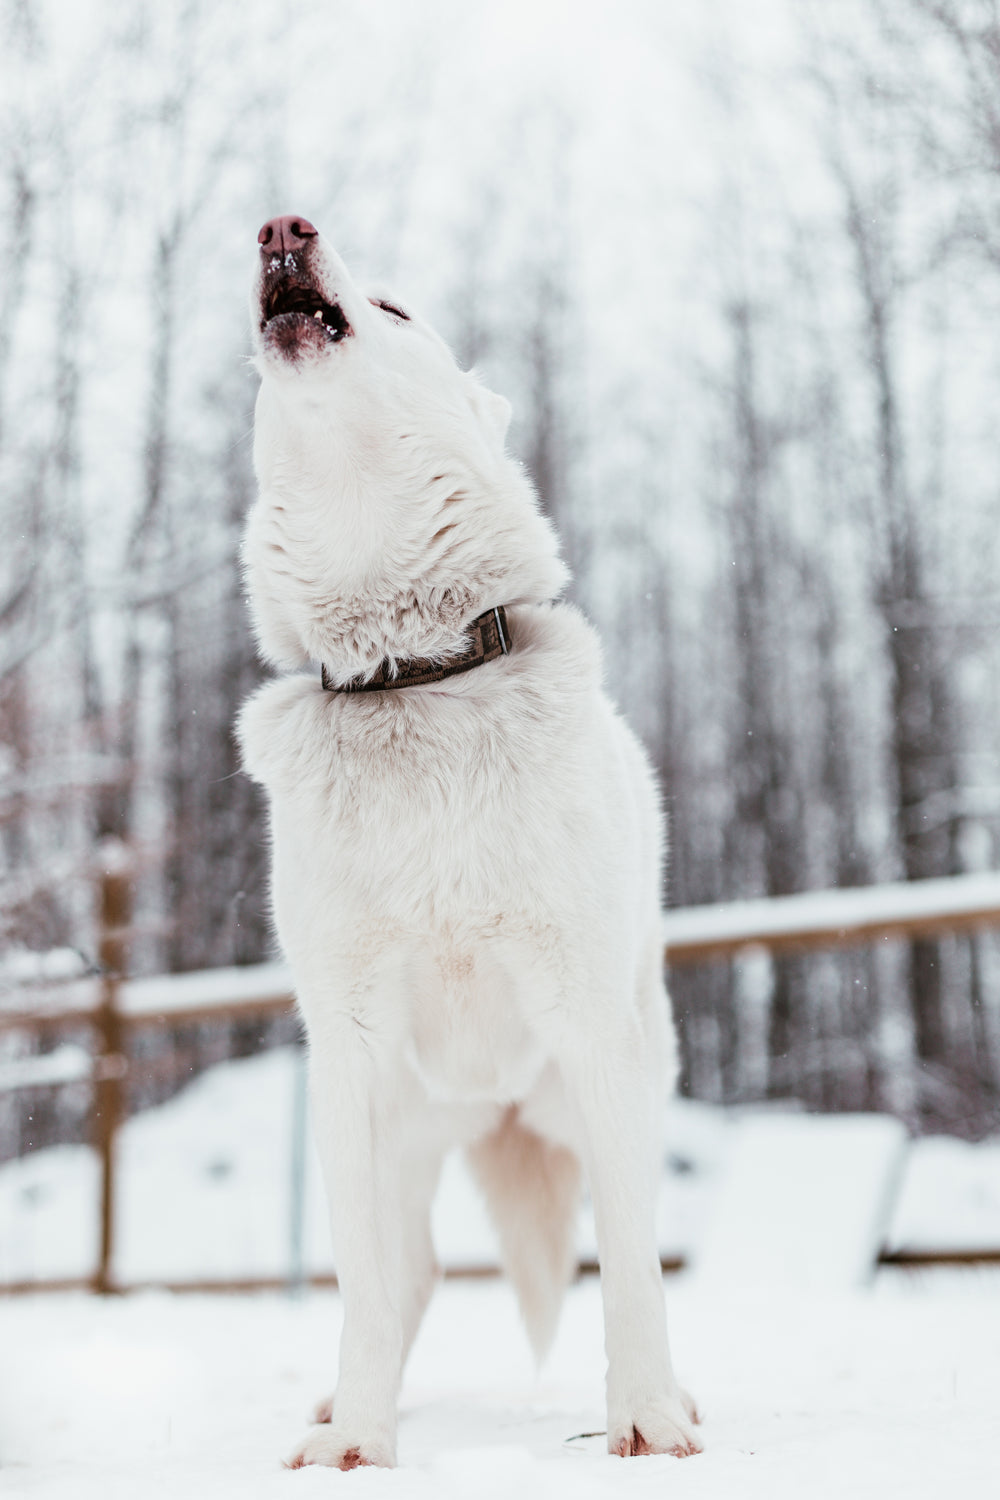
(532, 1189)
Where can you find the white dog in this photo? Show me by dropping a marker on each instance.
(467, 846)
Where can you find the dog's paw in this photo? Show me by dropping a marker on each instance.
(325, 1445)
(323, 1410)
(687, 1401)
(658, 1427)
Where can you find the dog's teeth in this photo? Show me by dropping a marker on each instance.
(318, 315)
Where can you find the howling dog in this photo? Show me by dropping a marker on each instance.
(467, 844)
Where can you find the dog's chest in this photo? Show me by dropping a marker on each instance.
(468, 1039)
(433, 822)
(434, 865)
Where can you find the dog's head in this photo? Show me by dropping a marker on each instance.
(372, 365)
(385, 483)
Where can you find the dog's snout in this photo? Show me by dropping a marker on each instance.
(288, 233)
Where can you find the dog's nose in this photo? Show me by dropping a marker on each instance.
(290, 232)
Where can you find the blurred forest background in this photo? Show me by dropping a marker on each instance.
(738, 269)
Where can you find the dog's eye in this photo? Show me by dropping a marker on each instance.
(390, 307)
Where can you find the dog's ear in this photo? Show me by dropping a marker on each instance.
(495, 410)
(502, 413)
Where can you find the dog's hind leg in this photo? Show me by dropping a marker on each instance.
(532, 1189)
(605, 1068)
(419, 1269)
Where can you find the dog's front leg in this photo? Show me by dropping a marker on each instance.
(353, 1097)
(647, 1411)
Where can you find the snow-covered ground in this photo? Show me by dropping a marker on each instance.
(204, 1190)
(889, 1390)
(886, 1393)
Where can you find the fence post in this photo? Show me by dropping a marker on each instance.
(110, 1063)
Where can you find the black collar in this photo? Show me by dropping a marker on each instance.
(487, 638)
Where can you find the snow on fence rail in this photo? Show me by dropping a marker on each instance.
(114, 1006)
(829, 919)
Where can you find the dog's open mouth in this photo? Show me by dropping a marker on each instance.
(293, 300)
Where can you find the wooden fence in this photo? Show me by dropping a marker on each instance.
(114, 1007)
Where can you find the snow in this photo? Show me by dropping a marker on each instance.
(48, 1215)
(950, 1197)
(204, 1189)
(884, 1393)
(821, 1391)
(59, 998)
(24, 966)
(169, 993)
(832, 913)
(804, 1201)
(69, 1063)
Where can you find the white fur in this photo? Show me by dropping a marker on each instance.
(465, 874)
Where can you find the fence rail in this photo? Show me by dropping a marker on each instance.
(113, 1007)
(833, 919)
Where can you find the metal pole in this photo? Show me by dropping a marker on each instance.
(297, 1174)
(111, 1063)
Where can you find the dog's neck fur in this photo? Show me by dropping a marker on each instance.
(375, 553)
